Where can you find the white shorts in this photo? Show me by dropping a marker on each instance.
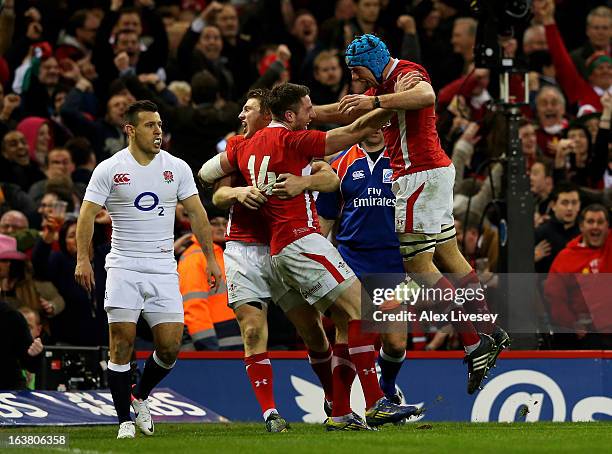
(312, 266)
(424, 201)
(251, 279)
(142, 291)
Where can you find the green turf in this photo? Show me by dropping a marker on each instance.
(465, 438)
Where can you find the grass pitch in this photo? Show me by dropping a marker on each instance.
(251, 438)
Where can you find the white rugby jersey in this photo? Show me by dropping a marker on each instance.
(141, 201)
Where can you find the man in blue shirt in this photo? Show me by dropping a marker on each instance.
(363, 207)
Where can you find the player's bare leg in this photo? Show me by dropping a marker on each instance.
(307, 321)
(346, 313)
(167, 341)
(253, 321)
(419, 264)
(121, 346)
(451, 260)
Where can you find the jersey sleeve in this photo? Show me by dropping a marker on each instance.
(310, 144)
(414, 67)
(100, 185)
(230, 150)
(186, 183)
(328, 205)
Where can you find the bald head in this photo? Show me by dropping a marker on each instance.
(534, 39)
(464, 36)
(12, 222)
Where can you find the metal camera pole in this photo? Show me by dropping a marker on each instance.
(516, 230)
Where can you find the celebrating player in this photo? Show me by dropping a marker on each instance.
(363, 208)
(306, 261)
(423, 178)
(140, 186)
(250, 279)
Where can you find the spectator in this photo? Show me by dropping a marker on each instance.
(18, 287)
(79, 36)
(59, 164)
(478, 243)
(579, 302)
(182, 91)
(237, 49)
(83, 158)
(197, 128)
(599, 34)
(12, 222)
(529, 143)
(15, 164)
(541, 182)
(562, 226)
(534, 39)
(211, 323)
(304, 46)
(106, 134)
(83, 322)
(578, 159)
(598, 65)
(463, 41)
(33, 319)
(37, 133)
(202, 51)
(19, 351)
(9, 105)
(12, 197)
(550, 105)
(329, 86)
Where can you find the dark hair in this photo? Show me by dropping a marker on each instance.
(525, 122)
(563, 187)
(80, 149)
(204, 88)
(594, 208)
(548, 170)
(63, 188)
(263, 96)
(131, 114)
(63, 232)
(77, 20)
(286, 97)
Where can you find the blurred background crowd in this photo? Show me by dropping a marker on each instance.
(69, 68)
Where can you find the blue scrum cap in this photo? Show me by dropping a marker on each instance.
(368, 51)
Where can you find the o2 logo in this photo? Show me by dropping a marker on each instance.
(584, 410)
(150, 203)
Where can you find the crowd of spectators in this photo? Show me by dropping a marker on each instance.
(69, 68)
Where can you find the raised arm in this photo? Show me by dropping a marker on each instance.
(341, 138)
(83, 272)
(201, 229)
(330, 113)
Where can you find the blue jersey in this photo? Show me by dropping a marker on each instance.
(364, 206)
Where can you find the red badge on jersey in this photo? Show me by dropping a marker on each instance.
(168, 177)
(121, 178)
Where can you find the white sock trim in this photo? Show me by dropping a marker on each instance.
(361, 349)
(470, 348)
(119, 367)
(268, 412)
(160, 363)
(391, 359)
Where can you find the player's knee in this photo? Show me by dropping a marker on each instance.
(168, 353)
(252, 335)
(394, 346)
(121, 350)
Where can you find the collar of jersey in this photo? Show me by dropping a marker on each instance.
(277, 124)
(395, 63)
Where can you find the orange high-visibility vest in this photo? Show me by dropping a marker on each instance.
(203, 308)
